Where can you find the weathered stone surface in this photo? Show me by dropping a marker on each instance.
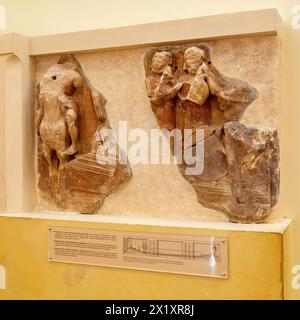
(162, 88)
(241, 179)
(71, 122)
(241, 175)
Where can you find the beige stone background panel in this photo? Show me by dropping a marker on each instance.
(160, 190)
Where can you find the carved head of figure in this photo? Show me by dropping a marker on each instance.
(61, 79)
(160, 61)
(193, 59)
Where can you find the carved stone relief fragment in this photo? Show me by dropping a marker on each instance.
(241, 164)
(72, 128)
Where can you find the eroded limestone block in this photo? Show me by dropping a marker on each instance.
(241, 173)
(71, 123)
(253, 166)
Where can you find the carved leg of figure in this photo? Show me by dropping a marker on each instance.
(73, 131)
(47, 151)
(62, 157)
(51, 157)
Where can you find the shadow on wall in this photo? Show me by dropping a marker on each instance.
(2, 278)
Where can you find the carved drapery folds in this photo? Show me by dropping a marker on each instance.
(72, 124)
(241, 164)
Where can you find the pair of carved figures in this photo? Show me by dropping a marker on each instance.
(241, 175)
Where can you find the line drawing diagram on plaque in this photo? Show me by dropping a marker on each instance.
(183, 249)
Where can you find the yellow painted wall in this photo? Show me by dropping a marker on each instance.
(33, 17)
(24, 253)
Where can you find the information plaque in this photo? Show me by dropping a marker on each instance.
(161, 252)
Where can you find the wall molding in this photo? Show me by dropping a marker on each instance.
(247, 23)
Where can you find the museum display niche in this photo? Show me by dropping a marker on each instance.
(235, 112)
(236, 53)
